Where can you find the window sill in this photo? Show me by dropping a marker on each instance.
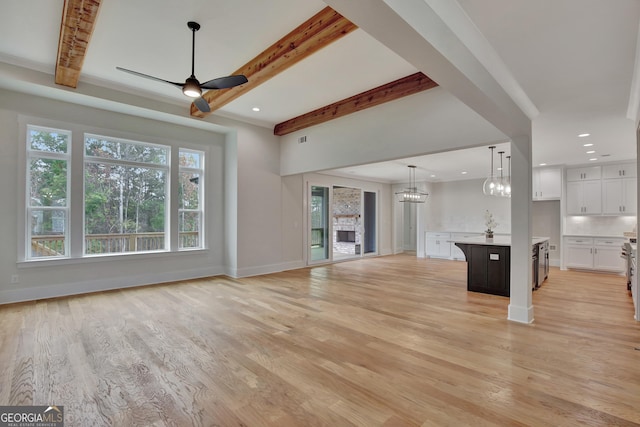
(88, 259)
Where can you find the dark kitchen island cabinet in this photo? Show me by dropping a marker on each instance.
(489, 263)
(488, 267)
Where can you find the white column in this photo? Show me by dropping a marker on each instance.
(520, 305)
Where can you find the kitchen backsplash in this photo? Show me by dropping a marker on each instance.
(599, 225)
(472, 222)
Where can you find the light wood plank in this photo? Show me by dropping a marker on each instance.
(78, 21)
(317, 32)
(381, 341)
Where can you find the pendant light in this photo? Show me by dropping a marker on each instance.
(412, 194)
(489, 186)
(500, 181)
(507, 184)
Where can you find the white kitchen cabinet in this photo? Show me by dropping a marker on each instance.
(584, 197)
(438, 244)
(456, 252)
(584, 174)
(547, 183)
(624, 170)
(578, 252)
(606, 255)
(619, 196)
(593, 254)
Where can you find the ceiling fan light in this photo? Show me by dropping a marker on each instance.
(191, 88)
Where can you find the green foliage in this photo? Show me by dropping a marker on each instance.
(125, 184)
(123, 198)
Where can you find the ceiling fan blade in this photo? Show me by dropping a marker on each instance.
(225, 82)
(135, 73)
(202, 105)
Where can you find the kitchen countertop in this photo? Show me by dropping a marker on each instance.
(597, 236)
(496, 241)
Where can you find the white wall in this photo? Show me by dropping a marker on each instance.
(545, 216)
(293, 214)
(460, 206)
(39, 280)
(427, 122)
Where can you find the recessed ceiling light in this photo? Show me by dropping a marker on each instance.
(582, 135)
(463, 172)
(592, 159)
(256, 109)
(543, 164)
(591, 151)
(433, 176)
(587, 145)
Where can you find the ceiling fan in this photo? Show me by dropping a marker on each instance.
(192, 87)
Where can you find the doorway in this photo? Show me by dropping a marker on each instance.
(347, 222)
(342, 223)
(409, 240)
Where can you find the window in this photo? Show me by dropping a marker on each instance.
(190, 212)
(119, 200)
(47, 210)
(125, 196)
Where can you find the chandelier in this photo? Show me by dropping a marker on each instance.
(412, 194)
(494, 185)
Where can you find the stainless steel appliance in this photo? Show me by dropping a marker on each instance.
(534, 267)
(627, 255)
(543, 262)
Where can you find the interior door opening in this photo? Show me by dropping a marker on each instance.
(347, 222)
(342, 223)
(409, 227)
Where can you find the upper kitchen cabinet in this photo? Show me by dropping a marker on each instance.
(626, 170)
(547, 183)
(584, 191)
(619, 189)
(584, 197)
(584, 174)
(602, 190)
(619, 196)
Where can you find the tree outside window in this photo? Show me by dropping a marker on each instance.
(48, 157)
(125, 196)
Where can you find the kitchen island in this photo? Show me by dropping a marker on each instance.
(489, 263)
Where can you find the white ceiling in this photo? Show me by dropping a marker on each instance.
(573, 59)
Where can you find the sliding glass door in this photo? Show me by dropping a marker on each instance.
(342, 223)
(319, 222)
(370, 243)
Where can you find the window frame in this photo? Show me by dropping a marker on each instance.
(166, 167)
(30, 155)
(76, 194)
(201, 199)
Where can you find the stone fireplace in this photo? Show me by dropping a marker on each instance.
(346, 221)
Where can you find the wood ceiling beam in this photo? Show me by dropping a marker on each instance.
(400, 88)
(320, 30)
(78, 21)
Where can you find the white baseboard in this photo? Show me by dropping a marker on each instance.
(9, 296)
(520, 314)
(266, 269)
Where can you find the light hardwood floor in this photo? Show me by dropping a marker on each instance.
(389, 341)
